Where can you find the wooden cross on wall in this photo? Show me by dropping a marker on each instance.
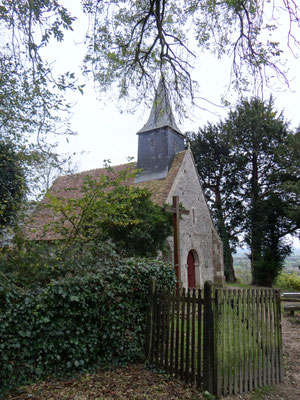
(177, 212)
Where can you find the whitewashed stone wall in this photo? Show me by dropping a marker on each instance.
(196, 229)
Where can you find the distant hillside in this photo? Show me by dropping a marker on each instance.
(291, 263)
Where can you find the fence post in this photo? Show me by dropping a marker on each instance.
(208, 340)
(216, 342)
(279, 333)
(150, 322)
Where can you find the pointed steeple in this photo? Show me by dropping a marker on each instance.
(159, 139)
(161, 113)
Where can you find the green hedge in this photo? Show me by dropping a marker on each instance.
(76, 323)
(288, 281)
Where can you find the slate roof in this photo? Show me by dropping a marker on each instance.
(69, 187)
(161, 114)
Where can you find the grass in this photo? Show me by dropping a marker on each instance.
(240, 285)
(259, 394)
(244, 336)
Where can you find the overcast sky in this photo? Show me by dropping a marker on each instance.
(105, 133)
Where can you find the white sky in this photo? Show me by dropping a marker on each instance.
(105, 133)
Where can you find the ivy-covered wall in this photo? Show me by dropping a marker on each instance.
(76, 323)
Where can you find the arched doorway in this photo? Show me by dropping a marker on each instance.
(191, 270)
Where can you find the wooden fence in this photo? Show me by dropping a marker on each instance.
(291, 302)
(223, 341)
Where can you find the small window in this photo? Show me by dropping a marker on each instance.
(193, 214)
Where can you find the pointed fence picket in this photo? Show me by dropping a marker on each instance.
(220, 340)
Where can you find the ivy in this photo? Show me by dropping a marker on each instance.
(76, 323)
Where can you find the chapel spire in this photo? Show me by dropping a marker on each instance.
(161, 114)
(159, 139)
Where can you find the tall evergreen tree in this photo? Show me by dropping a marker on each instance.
(248, 166)
(260, 134)
(219, 168)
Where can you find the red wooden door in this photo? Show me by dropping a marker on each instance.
(191, 270)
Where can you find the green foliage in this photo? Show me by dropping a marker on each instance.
(107, 221)
(249, 172)
(32, 105)
(291, 184)
(110, 208)
(145, 237)
(11, 184)
(208, 395)
(219, 167)
(131, 42)
(77, 322)
(268, 267)
(288, 281)
(261, 393)
(30, 264)
(261, 134)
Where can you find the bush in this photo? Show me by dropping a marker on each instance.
(288, 281)
(30, 264)
(77, 322)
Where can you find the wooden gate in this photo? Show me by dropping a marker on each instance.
(223, 341)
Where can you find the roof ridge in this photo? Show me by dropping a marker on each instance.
(95, 169)
(41, 216)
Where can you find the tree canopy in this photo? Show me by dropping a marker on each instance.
(132, 42)
(248, 168)
(12, 185)
(219, 168)
(110, 209)
(33, 108)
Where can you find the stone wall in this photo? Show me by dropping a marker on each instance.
(196, 229)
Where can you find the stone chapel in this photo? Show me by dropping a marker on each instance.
(167, 170)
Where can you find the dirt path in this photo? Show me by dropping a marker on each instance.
(135, 383)
(290, 388)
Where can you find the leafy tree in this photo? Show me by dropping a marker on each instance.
(147, 235)
(110, 209)
(259, 135)
(108, 221)
(32, 104)
(290, 155)
(12, 185)
(131, 42)
(248, 168)
(281, 212)
(219, 168)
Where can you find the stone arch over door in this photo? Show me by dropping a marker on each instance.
(194, 275)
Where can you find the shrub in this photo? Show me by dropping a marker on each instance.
(32, 264)
(288, 281)
(77, 322)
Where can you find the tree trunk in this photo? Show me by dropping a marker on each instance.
(255, 221)
(228, 260)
